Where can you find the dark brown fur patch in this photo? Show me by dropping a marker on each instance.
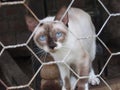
(67, 84)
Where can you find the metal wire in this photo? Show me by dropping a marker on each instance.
(26, 45)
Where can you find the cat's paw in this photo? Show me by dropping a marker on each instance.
(93, 80)
(63, 88)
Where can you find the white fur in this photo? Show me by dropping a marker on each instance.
(93, 80)
(80, 26)
(86, 86)
(47, 19)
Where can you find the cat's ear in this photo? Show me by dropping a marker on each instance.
(31, 22)
(60, 14)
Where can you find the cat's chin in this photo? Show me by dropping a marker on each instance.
(53, 50)
(48, 50)
(56, 48)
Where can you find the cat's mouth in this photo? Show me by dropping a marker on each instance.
(53, 50)
(54, 47)
(50, 50)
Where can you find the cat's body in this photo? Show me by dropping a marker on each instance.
(75, 44)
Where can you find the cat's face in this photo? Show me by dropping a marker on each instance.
(51, 36)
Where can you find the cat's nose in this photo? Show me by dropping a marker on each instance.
(52, 45)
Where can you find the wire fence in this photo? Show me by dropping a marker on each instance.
(26, 45)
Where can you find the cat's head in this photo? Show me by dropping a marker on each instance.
(51, 35)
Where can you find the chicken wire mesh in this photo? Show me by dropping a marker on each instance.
(27, 85)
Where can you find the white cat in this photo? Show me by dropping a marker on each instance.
(70, 36)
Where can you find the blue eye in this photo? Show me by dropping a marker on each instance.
(58, 34)
(42, 38)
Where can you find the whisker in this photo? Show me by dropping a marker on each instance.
(40, 51)
(42, 54)
(41, 57)
(36, 48)
(45, 56)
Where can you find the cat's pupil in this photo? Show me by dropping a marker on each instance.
(42, 38)
(58, 34)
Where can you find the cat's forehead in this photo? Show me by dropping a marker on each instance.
(51, 26)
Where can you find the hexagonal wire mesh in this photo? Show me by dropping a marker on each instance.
(98, 36)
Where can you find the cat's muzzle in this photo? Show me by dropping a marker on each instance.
(52, 45)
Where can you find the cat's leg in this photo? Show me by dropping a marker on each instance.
(83, 83)
(73, 79)
(84, 70)
(93, 80)
(86, 86)
(65, 76)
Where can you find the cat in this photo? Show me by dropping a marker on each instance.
(60, 37)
